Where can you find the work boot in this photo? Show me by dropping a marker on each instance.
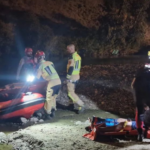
(39, 115)
(71, 107)
(52, 115)
(140, 138)
(80, 110)
(47, 117)
(140, 135)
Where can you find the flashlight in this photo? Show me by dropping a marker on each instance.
(30, 78)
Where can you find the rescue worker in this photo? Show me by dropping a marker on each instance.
(141, 86)
(26, 65)
(47, 71)
(73, 75)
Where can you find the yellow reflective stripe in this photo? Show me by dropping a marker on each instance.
(80, 64)
(75, 72)
(51, 71)
(125, 124)
(71, 97)
(77, 64)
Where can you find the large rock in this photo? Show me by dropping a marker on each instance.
(64, 100)
(3, 138)
(34, 119)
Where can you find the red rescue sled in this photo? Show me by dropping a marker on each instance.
(98, 130)
(20, 100)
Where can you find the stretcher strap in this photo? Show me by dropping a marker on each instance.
(125, 124)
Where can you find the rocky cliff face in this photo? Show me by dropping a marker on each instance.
(100, 26)
(84, 12)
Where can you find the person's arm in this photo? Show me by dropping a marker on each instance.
(133, 82)
(71, 67)
(39, 72)
(137, 75)
(21, 63)
(134, 79)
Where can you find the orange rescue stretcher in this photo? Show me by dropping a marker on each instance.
(99, 130)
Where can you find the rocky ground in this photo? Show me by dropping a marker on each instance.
(64, 132)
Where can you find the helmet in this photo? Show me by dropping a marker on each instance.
(39, 54)
(28, 50)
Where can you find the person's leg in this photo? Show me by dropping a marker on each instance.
(111, 122)
(56, 90)
(146, 121)
(133, 125)
(73, 96)
(139, 122)
(139, 99)
(49, 100)
(146, 114)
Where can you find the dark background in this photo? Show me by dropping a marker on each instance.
(97, 28)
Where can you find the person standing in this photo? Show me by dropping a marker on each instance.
(26, 64)
(141, 87)
(73, 76)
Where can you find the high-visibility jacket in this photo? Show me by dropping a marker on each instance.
(74, 66)
(47, 71)
(149, 53)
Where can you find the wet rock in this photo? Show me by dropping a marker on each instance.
(34, 119)
(3, 137)
(87, 122)
(25, 148)
(41, 120)
(23, 120)
(17, 143)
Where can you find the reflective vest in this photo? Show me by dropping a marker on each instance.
(48, 70)
(149, 53)
(77, 64)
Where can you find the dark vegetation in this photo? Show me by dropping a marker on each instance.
(99, 26)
